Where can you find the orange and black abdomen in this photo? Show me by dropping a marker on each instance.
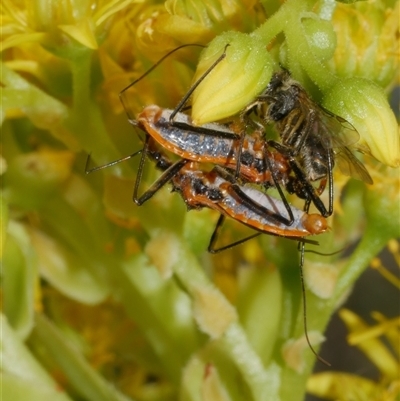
(188, 143)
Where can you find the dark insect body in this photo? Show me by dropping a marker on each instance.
(312, 138)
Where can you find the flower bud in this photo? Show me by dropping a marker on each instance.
(235, 81)
(321, 37)
(365, 106)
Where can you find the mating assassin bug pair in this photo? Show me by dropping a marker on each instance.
(218, 190)
(309, 145)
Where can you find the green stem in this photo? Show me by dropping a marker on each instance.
(301, 54)
(161, 311)
(279, 21)
(237, 347)
(371, 244)
(261, 381)
(288, 20)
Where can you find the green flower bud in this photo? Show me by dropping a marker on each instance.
(321, 37)
(235, 81)
(321, 40)
(365, 106)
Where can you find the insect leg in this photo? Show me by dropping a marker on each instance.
(306, 185)
(215, 235)
(183, 101)
(165, 177)
(256, 207)
(330, 184)
(93, 169)
(290, 220)
(235, 191)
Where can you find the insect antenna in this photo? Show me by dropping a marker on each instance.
(121, 94)
(122, 159)
(131, 120)
(301, 247)
(303, 290)
(324, 253)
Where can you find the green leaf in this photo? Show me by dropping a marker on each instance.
(19, 276)
(22, 376)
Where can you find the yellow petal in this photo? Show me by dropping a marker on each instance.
(321, 278)
(341, 386)
(19, 39)
(374, 349)
(110, 8)
(163, 251)
(82, 33)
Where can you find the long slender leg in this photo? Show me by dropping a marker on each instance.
(215, 235)
(140, 168)
(162, 180)
(330, 182)
(165, 177)
(250, 203)
(308, 188)
(290, 220)
(183, 101)
(122, 159)
(122, 93)
(181, 105)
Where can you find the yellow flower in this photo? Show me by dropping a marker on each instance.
(51, 23)
(367, 41)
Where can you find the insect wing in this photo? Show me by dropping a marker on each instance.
(351, 166)
(341, 134)
(340, 130)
